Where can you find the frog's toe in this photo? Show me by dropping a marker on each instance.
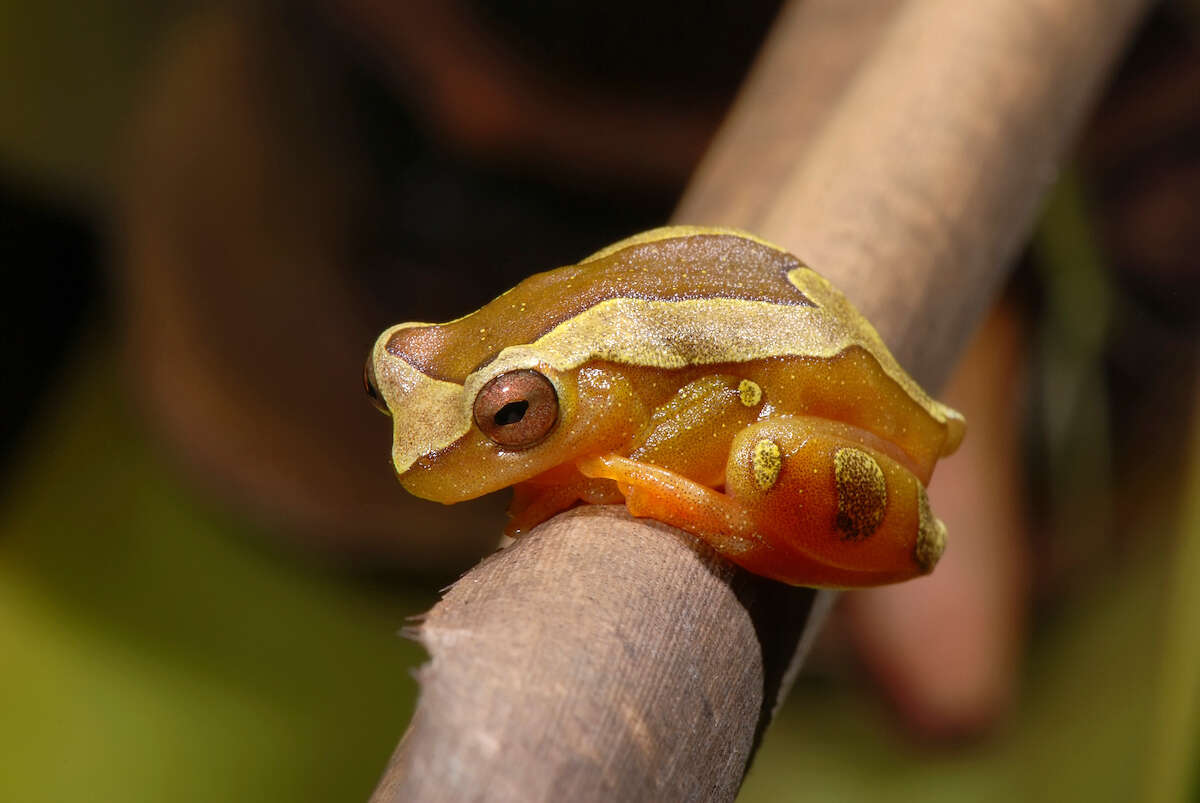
(931, 534)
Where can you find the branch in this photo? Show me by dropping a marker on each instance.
(602, 657)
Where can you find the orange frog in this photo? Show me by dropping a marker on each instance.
(705, 378)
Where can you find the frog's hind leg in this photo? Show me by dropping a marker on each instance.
(725, 522)
(654, 492)
(826, 495)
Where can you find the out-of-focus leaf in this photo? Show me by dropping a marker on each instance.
(1174, 745)
(1079, 732)
(153, 649)
(68, 76)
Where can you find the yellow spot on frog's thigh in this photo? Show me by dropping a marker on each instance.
(931, 534)
(768, 461)
(750, 392)
(861, 493)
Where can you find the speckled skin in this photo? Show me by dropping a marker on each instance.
(706, 379)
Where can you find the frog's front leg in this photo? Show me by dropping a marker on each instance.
(690, 434)
(536, 500)
(680, 454)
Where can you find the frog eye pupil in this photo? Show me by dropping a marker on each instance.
(511, 413)
(516, 409)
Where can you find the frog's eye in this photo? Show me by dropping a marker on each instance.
(517, 409)
(372, 388)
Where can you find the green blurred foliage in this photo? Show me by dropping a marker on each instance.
(1079, 733)
(152, 648)
(69, 73)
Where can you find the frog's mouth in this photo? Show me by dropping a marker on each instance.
(425, 481)
(464, 470)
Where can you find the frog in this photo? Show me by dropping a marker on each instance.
(702, 377)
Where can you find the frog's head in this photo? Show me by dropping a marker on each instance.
(458, 435)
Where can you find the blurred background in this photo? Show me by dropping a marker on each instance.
(207, 212)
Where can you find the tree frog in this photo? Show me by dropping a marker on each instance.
(703, 377)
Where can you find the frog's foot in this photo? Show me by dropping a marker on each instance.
(654, 492)
(535, 502)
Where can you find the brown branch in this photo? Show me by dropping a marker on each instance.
(606, 658)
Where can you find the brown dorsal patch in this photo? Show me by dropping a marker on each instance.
(861, 493)
(696, 266)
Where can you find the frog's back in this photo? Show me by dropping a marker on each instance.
(669, 298)
(675, 263)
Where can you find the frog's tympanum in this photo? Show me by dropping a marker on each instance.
(703, 377)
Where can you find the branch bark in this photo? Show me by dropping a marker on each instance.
(602, 657)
